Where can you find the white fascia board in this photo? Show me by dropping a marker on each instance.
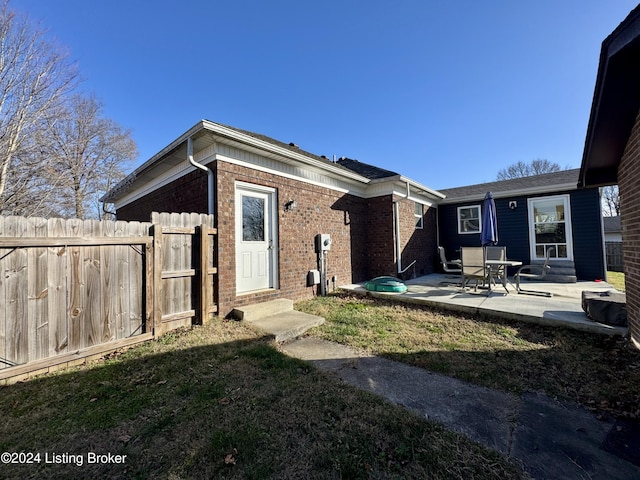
(174, 173)
(158, 182)
(429, 191)
(127, 190)
(399, 191)
(172, 146)
(521, 192)
(270, 147)
(403, 187)
(340, 186)
(242, 138)
(272, 166)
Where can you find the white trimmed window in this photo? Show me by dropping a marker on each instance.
(469, 220)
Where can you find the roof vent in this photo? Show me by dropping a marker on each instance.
(294, 145)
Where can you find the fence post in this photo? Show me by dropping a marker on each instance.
(150, 291)
(204, 273)
(157, 278)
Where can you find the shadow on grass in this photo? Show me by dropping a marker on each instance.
(238, 409)
(601, 373)
(598, 371)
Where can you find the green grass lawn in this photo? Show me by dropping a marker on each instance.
(616, 279)
(222, 402)
(600, 372)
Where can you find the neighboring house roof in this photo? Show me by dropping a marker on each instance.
(612, 224)
(616, 101)
(170, 163)
(535, 184)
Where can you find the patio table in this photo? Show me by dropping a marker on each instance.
(501, 263)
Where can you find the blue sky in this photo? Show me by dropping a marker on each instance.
(444, 92)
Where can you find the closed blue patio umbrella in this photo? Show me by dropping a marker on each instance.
(489, 222)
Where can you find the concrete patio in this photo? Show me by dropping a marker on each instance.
(564, 308)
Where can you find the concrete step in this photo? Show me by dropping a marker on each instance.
(288, 325)
(278, 318)
(562, 271)
(251, 313)
(560, 278)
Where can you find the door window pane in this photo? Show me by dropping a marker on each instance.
(551, 226)
(550, 233)
(549, 211)
(252, 219)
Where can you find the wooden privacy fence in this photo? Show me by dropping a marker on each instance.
(614, 256)
(73, 288)
(183, 269)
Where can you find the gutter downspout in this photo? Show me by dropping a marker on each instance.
(210, 178)
(396, 221)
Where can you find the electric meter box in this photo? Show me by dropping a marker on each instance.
(313, 278)
(323, 242)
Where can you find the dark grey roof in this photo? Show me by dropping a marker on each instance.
(369, 171)
(544, 182)
(612, 224)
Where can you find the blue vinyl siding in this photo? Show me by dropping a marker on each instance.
(513, 231)
(588, 250)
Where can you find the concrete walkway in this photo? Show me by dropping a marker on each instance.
(550, 439)
(564, 308)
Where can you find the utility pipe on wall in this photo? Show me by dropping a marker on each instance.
(210, 179)
(396, 221)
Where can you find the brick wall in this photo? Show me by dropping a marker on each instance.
(417, 244)
(362, 231)
(319, 210)
(629, 191)
(185, 194)
(379, 238)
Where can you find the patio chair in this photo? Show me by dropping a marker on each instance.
(496, 272)
(449, 266)
(473, 267)
(535, 272)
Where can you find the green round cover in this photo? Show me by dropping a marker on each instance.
(386, 284)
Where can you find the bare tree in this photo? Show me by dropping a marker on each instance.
(86, 154)
(35, 76)
(610, 201)
(522, 169)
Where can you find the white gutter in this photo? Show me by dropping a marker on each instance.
(396, 218)
(210, 179)
(417, 187)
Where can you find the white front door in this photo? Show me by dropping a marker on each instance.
(256, 242)
(550, 226)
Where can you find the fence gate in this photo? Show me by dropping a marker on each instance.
(183, 269)
(71, 289)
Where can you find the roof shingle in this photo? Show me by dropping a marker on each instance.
(545, 181)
